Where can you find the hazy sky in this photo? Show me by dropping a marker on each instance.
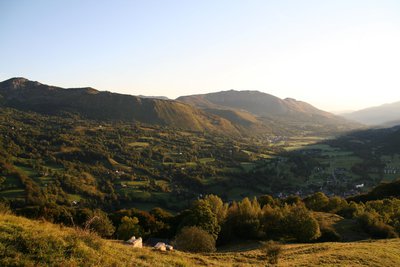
(334, 54)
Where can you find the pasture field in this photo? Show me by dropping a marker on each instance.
(45, 244)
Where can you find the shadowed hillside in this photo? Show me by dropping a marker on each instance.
(384, 190)
(27, 95)
(230, 112)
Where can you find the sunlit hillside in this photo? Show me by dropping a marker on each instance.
(25, 242)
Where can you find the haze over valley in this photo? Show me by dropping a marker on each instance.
(208, 133)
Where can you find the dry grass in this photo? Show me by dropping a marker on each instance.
(31, 243)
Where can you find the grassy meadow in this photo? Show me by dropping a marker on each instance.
(25, 242)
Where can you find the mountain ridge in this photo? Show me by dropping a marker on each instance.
(228, 112)
(23, 94)
(377, 115)
(230, 99)
(265, 108)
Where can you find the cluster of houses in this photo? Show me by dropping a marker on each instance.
(338, 176)
(391, 170)
(276, 139)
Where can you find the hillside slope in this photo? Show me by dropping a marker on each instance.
(384, 114)
(383, 190)
(30, 243)
(27, 95)
(265, 110)
(258, 103)
(230, 112)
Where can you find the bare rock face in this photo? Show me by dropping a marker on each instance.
(163, 247)
(160, 246)
(136, 243)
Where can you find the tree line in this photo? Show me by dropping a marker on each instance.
(209, 218)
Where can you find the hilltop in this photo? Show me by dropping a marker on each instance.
(30, 242)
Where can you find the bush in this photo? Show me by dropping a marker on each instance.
(302, 225)
(336, 204)
(5, 208)
(272, 221)
(317, 202)
(243, 219)
(266, 200)
(194, 239)
(375, 227)
(99, 223)
(202, 216)
(129, 227)
(382, 230)
(272, 250)
(328, 233)
(351, 210)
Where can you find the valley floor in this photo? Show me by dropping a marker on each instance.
(25, 242)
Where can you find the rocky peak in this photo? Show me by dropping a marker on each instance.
(19, 83)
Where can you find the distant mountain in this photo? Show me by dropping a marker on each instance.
(28, 95)
(258, 103)
(257, 108)
(377, 115)
(391, 123)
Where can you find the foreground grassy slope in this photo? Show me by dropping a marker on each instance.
(31, 243)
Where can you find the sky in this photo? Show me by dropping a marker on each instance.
(335, 54)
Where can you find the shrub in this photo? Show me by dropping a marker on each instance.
(351, 210)
(217, 207)
(99, 223)
(382, 230)
(328, 233)
(243, 219)
(272, 221)
(302, 225)
(272, 250)
(317, 202)
(194, 239)
(5, 209)
(375, 227)
(129, 227)
(292, 200)
(336, 204)
(266, 200)
(202, 216)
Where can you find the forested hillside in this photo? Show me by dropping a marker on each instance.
(89, 103)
